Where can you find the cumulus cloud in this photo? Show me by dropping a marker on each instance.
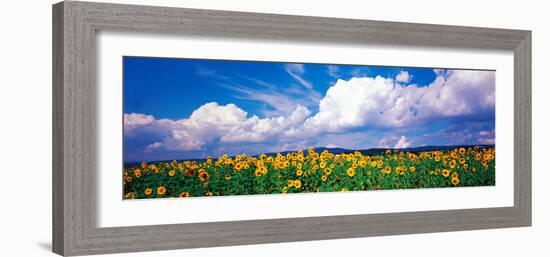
(354, 113)
(403, 77)
(379, 102)
(392, 141)
(403, 142)
(137, 119)
(153, 146)
(213, 123)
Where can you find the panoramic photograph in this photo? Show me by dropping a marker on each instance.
(198, 127)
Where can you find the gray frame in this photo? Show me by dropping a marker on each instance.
(74, 113)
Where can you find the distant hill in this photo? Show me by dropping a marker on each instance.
(370, 151)
(379, 151)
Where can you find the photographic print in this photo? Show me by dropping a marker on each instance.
(197, 127)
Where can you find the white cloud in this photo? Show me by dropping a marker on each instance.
(283, 102)
(386, 141)
(403, 142)
(349, 106)
(213, 123)
(137, 119)
(333, 70)
(295, 71)
(392, 141)
(403, 77)
(296, 68)
(487, 141)
(379, 102)
(486, 137)
(205, 72)
(484, 133)
(153, 146)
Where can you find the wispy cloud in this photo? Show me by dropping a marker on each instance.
(296, 71)
(333, 71)
(283, 100)
(204, 71)
(281, 103)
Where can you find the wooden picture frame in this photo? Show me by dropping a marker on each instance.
(75, 25)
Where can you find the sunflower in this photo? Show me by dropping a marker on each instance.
(401, 170)
(148, 191)
(130, 195)
(238, 166)
(297, 183)
(351, 172)
(137, 173)
(324, 178)
(445, 173)
(412, 168)
(154, 168)
(437, 171)
(299, 173)
(327, 171)
(452, 164)
(189, 172)
(290, 182)
(454, 175)
(203, 175)
(258, 173)
(263, 170)
(477, 157)
(388, 152)
(454, 155)
(171, 173)
(143, 165)
(161, 190)
(387, 170)
(455, 181)
(184, 194)
(461, 160)
(227, 176)
(462, 150)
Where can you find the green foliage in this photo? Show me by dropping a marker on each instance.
(312, 172)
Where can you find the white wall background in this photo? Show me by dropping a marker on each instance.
(25, 128)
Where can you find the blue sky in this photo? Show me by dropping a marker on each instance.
(190, 108)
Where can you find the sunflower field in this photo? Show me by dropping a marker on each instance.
(310, 171)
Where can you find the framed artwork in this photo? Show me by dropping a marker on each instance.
(182, 128)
